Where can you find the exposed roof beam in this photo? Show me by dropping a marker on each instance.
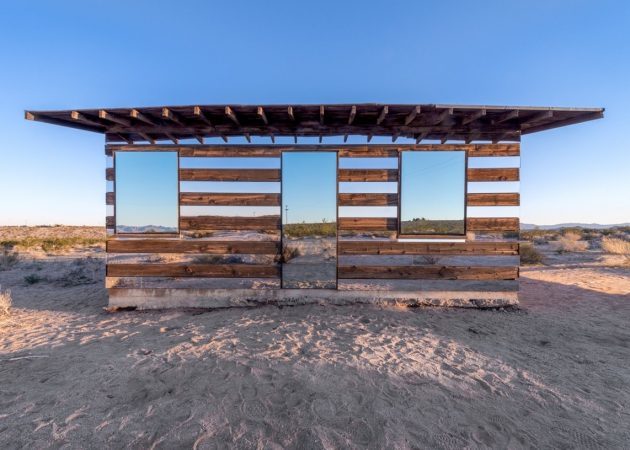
(421, 136)
(104, 115)
(394, 137)
(76, 115)
(248, 137)
(471, 137)
(561, 123)
(232, 115)
(147, 138)
(321, 114)
(135, 114)
(345, 138)
(201, 115)
(118, 137)
(320, 138)
(294, 136)
(412, 115)
(444, 139)
(506, 116)
(290, 112)
(172, 116)
(443, 115)
(199, 139)
(382, 115)
(224, 137)
(261, 113)
(537, 118)
(474, 116)
(353, 114)
(369, 137)
(172, 138)
(273, 138)
(29, 115)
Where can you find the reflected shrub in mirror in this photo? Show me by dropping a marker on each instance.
(146, 192)
(432, 192)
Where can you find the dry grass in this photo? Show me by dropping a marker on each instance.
(570, 242)
(616, 246)
(5, 302)
(8, 258)
(529, 255)
(288, 253)
(323, 229)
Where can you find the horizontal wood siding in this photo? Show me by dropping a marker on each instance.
(368, 175)
(503, 199)
(492, 224)
(194, 270)
(368, 223)
(368, 199)
(229, 174)
(221, 199)
(426, 248)
(511, 174)
(428, 272)
(193, 246)
(262, 223)
(110, 198)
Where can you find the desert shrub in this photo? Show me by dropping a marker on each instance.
(426, 259)
(5, 302)
(217, 259)
(8, 258)
(616, 246)
(323, 229)
(74, 277)
(288, 253)
(529, 255)
(570, 241)
(32, 279)
(52, 244)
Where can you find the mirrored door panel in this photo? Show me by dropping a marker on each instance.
(309, 220)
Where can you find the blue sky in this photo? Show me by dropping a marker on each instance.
(76, 54)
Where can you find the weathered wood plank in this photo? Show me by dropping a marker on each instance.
(492, 224)
(368, 175)
(428, 272)
(110, 198)
(368, 223)
(510, 174)
(194, 246)
(229, 174)
(260, 223)
(426, 248)
(368, 199)
(110, 222)
(228, 199)
(109, 174)
(194, 270)
(499, 199)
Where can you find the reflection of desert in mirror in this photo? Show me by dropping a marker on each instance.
(432, 193)
(309, 208)
(147, 188)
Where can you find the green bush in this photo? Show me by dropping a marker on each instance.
(529, 255)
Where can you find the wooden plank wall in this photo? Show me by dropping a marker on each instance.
(489, 252)
(210, 245)
(369, 249)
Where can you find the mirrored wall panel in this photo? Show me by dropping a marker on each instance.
(433, 193)
(309, 220)
(147, 192)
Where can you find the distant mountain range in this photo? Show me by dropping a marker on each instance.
(597, 226)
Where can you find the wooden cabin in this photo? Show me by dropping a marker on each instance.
(430, 218)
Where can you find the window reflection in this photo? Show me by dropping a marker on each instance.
(146, 192)
(432, 193)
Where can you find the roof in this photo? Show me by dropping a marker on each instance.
(418, 121)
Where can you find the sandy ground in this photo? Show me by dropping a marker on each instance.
(553, 374)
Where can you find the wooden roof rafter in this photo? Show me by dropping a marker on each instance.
(413, 121)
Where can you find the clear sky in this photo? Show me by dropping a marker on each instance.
(432, 185)
(79, 54)
(309, 187)
(146, 190)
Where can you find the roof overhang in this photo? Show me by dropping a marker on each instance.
(417, 121)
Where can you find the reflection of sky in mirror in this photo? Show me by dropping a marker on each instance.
(432, 185)
(309, 186)
(146, 189)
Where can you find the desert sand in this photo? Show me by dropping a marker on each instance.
(552, 373)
